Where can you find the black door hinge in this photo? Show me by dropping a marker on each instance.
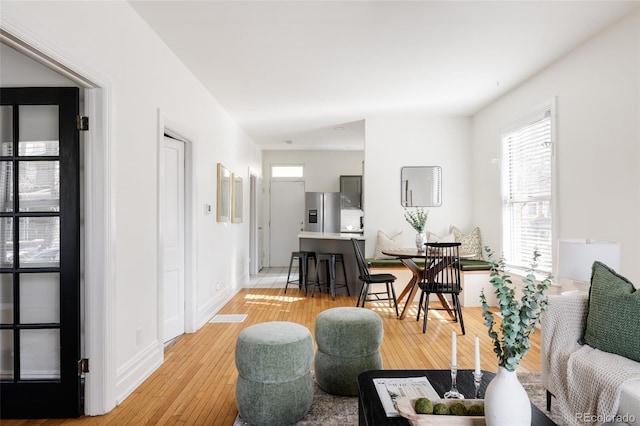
(83, 366)
(82, 122)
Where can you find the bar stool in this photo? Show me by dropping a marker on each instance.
(303, 258)
(331, 259)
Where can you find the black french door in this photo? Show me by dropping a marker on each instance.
(39, 253)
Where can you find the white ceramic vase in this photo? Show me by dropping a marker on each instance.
(506, 403)
(421, 238)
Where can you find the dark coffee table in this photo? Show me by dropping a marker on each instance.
(371, 413)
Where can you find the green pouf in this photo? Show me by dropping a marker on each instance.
(349, 341)
(275, 385)
(274, 403)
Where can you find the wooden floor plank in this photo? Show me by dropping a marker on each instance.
(196, 383)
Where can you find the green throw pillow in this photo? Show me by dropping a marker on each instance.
(612, 318)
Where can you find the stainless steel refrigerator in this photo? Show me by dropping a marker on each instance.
(322, 212)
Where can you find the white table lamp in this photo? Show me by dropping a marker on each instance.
(576, 257)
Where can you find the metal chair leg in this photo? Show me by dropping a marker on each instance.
(332, 277)
(344, 274)
(302, 270)
(288, 275)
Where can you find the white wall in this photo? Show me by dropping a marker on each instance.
(393, 142)
(598, 142)
(322, 168)
(144, 77)
(322, 174)
(18, 70)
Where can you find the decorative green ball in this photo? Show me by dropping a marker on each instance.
(440, 409)
(423, 406)
(458, 409)
(475, 410)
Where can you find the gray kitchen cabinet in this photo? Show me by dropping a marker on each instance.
(351, 191)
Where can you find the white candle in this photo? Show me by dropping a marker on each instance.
(477, 355)
(454, 360)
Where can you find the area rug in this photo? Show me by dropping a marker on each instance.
(326, 409)
(538, 394)
(334, 410)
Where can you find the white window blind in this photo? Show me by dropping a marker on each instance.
(527, 154)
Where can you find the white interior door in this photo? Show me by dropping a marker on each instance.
(172, 191)
(287, 220)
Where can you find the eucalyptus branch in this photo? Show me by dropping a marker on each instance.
(417, 219)
(519, 318)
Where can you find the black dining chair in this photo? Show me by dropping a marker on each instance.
(367, 279)
(441, 276)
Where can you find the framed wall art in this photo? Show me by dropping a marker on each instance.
(223, 211)
(236, 198)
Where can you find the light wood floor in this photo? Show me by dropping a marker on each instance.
(195, 385)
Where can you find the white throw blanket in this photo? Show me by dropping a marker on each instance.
(586, 381)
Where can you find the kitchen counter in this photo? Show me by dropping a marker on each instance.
(327, 242)
(331, 235)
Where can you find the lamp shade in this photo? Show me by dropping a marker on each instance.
(576, 256)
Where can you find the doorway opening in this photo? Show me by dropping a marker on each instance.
(97, 211)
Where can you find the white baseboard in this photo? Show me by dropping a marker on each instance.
(206, 312)
(138, 369)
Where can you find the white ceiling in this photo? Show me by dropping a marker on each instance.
(297, 70)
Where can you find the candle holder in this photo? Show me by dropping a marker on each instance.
(477, 379)
(453, 392)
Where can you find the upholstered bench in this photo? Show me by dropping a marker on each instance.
(349, 341)
(389, 263)
(464, 265)
(474, 265)
(474, 275)
(475, 278)
(275, 384)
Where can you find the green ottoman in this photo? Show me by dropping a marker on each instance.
(349, 342)
(275, 385)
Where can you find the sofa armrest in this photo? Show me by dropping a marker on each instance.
(562, 327)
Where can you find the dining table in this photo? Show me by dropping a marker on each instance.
(407, 256)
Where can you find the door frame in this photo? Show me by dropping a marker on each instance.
(187, 136)
(255, 243)
(99, 243)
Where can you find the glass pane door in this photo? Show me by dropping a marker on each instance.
(39, 253)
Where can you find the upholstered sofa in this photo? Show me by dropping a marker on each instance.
(591, 351)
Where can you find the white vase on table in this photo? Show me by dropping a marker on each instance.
(421, 239)
(506, 403)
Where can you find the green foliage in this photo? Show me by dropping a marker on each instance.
(423, 406)
(458, 409)
(519, 318)
(417, 219)
(475, 410)
(441, 409)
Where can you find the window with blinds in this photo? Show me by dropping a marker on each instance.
(527, 159)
